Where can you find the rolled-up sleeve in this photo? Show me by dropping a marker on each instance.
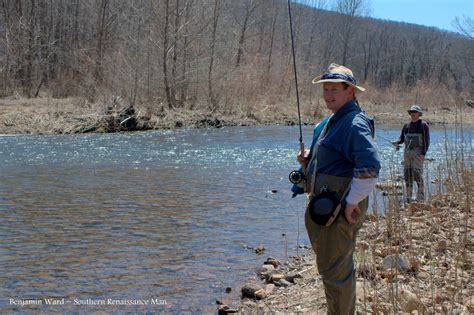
(365, 158)
(362, 150)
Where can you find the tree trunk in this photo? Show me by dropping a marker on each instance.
(169, 99)
(215, 20)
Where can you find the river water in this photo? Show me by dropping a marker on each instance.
(164, 215)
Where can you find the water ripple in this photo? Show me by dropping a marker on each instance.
(157, 214)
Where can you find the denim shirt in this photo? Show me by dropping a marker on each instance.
(348, 148)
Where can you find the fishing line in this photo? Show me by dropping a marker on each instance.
(383, 138)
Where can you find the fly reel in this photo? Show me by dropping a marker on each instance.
(296, 177)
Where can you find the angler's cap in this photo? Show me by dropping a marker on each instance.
(415, 109)
(338, 74)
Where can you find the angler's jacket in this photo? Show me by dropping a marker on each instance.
(348, 148)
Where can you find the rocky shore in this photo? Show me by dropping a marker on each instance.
(415, 259)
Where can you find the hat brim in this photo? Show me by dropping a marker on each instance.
(415, 111)
(318, 81)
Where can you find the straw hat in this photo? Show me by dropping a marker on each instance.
(338, 74)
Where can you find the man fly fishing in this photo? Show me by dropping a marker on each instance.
(338, 173)
(341, 169)
(416, 136)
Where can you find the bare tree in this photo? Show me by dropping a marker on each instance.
(194, 53)
(215, 21)
(250, 6)
(465, 26)
(350, 9)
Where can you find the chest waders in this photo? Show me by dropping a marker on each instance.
(334, 245)
(413, 165)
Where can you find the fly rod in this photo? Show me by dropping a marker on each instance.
(299, 111)
(383, 138)
(296, 80)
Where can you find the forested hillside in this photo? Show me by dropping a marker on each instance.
(214, 54)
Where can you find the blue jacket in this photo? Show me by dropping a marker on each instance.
(348, 148)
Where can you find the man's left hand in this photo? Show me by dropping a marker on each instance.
(350, 209)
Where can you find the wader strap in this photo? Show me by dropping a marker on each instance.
(313, 158)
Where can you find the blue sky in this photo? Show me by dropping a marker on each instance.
(438, 13)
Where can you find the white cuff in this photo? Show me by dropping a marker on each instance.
(360, 189)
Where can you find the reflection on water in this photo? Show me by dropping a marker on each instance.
(162, 214)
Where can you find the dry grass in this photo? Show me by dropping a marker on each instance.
(435, 238)
(241, 106)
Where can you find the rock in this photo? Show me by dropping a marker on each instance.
(282, 283)
(411, 302)
(272, 261)
(469, 306)
(269, 288)
(276, 277)
(265, 271)
(393, 261)
(228, 290)
(292, 275)
(259, 249)
(224, 309)
(253, 291)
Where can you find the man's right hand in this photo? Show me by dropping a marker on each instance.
(303, 159)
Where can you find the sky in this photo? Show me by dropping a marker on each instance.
(438, 13)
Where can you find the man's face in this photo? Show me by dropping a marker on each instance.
(414, 115)
(336, 95)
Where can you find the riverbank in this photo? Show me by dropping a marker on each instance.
(75, 115)
(416, 259)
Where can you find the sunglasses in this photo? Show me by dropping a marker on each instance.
(412, 112)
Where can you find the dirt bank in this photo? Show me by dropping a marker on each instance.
(416, 259)
(75, 115)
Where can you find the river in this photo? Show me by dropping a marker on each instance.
(167, 216)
